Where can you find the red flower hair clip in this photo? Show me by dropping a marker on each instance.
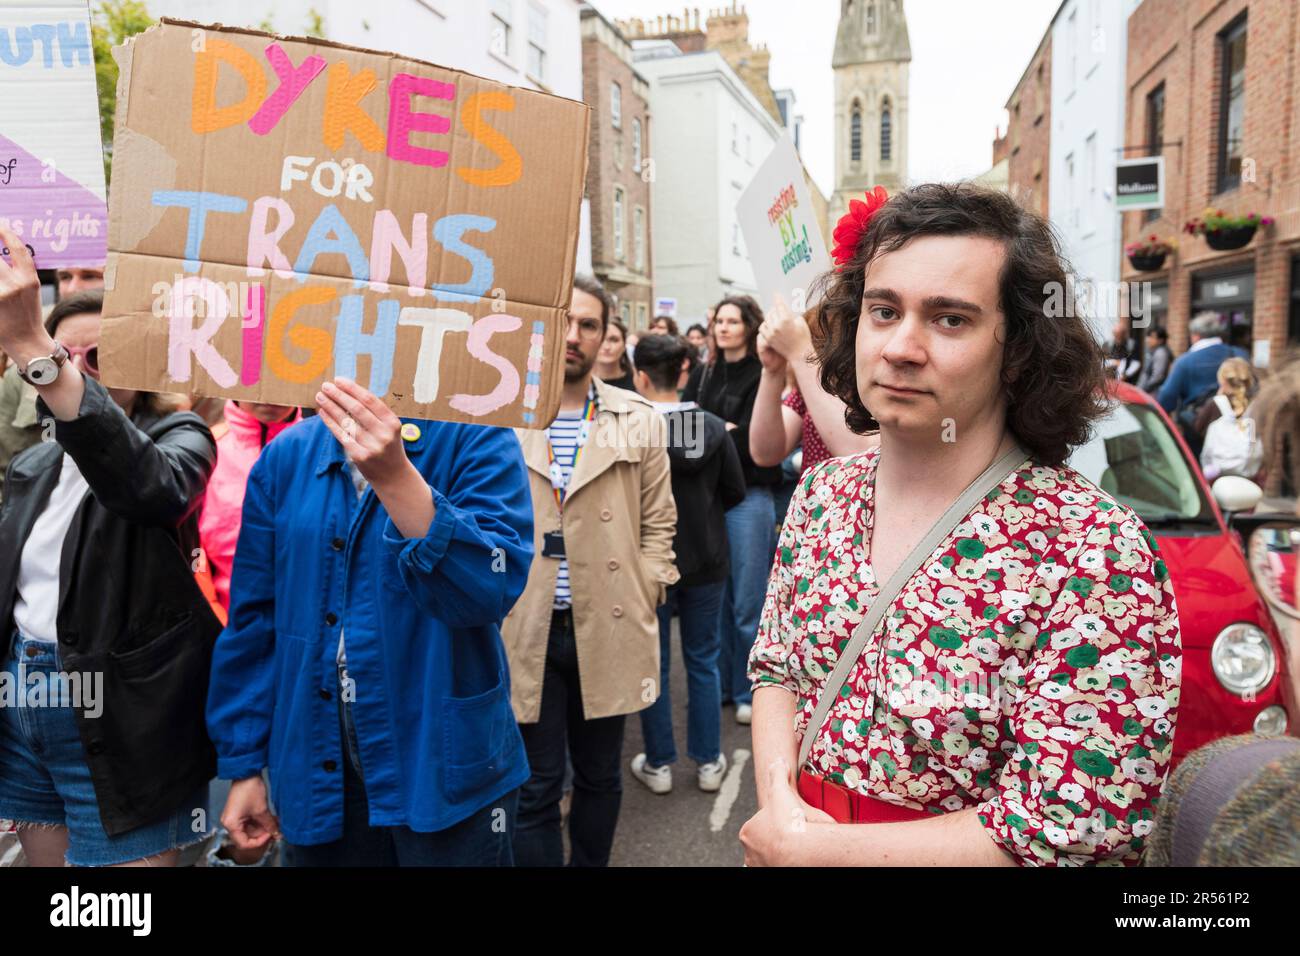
(848, 233)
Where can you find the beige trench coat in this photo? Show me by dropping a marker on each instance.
(619, 521)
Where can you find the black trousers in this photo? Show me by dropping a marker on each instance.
(595, 748)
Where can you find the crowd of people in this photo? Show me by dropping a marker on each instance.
(1208, 391)
(404, 642)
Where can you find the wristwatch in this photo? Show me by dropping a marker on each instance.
(43, 371)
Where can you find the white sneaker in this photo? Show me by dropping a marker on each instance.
(657, 779)
(744, 713)
(709, 775)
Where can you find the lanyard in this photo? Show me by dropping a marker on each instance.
(560, 484)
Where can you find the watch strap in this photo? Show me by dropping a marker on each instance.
(59, 357)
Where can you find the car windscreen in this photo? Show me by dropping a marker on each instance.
(1134, 456)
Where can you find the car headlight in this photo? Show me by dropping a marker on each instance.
(1243, 659)
(1270, 722)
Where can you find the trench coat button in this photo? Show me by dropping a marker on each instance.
(617, 610)
(337, 544)
(324, 694)
(330, 766)
(331, 618)
(613, 565)
(606, 514)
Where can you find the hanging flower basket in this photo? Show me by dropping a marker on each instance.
(1147, 263)
(1230, 238)
(1148, 255)
(1223, 232)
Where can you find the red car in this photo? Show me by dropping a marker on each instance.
(1234, 664)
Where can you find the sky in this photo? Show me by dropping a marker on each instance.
(967, 56)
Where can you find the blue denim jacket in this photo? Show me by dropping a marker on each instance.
(421, 616)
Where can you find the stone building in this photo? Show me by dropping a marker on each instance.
(871, 62)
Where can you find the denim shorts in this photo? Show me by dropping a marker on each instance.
(44, 777)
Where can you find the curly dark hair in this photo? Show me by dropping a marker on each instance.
(751, 313)
(1052, 366)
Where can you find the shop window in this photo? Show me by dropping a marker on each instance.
(1232, 111)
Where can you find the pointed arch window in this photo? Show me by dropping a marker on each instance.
(871, 19)
(886, 133)
(855, 134)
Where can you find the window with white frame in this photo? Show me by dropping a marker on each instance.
(642, 315)
(1090, 164)
(616, 105)
(636, 146)
(1072, 44)
(620, 223)
(1071, 203)
(537, 42)
(638, 227)
(499, 26)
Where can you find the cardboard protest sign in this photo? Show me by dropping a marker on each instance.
(285, 210)
(51, 159)
(780, 226)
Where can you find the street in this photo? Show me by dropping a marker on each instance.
(686, 827)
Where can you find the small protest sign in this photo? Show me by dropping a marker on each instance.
(51, 159)
(285, 210)
(778, 220)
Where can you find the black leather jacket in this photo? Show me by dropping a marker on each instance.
(128, 603)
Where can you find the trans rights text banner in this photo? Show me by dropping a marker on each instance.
(285, 210)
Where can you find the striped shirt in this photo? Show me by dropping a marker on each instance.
(563, 435)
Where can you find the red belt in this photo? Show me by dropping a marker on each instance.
(848, 806)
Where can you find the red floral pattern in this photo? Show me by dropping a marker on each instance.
(814, 449)
(1030, 669)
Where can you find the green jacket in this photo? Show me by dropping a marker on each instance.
(20, 426)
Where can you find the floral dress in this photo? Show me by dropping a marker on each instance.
(1030, 668)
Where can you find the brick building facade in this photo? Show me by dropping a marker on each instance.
(1230, 138)
(1029, 128)
(618, 177)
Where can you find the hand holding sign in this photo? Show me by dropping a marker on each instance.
(786, 332)
(21, 333)
(372, 437)
(369, 432)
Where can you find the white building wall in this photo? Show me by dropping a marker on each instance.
(1089, 59)
(699, 176)
(453, 33)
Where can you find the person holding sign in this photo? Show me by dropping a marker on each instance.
(963, 637)
(363, 664)
(807, 415)
(98, 603)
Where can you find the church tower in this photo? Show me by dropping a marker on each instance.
(872, 53)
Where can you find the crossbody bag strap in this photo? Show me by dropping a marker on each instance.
(991, 478)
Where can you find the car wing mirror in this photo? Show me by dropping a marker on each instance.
(1235, 494)
(1273, 557)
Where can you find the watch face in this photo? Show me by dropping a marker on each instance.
(42, 371)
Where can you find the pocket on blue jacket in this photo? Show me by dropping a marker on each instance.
(479, 738)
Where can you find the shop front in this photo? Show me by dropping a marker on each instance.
(1232, 296)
